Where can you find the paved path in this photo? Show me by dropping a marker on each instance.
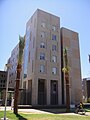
(44, 111)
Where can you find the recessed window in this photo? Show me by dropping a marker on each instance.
(54, 48)
(43, 24)
(42, 34)
(54, 70)
(31, 35)
(53, 37)
(42, 56)
(42, 45)
(42, 68)
(53, 28)
(54, 58)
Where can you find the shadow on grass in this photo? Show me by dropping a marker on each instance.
(57, 110)
(20, 117)
(54, 111)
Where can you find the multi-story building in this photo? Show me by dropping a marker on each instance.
(13, 60)
(3, 80)
(42, 78)
(86, 89)
(70, 40)
(42, 61)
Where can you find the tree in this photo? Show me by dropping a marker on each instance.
(66, 73)
(19, 67)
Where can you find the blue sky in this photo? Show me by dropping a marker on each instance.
(74, 15)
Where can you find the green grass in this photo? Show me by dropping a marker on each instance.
(24, 116)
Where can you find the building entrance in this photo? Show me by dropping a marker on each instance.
(41, 92)
(54, 92)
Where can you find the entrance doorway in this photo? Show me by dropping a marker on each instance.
(54, 92)
(41, 92)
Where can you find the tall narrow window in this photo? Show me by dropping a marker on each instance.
(29, 57)
(43, 24)
(42, 56)
(53, 28)
(42, 45)
(54, 48)
(42, 68)
(32, 65)
(42, 34)
(54, 58)
(31, 35)
(53, 37)
(54, 70)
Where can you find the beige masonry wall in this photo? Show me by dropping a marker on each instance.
(70, 40)
(35, 27)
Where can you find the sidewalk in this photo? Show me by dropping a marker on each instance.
(42, 111)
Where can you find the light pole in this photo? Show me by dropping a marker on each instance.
(8, 66)
(66, 73)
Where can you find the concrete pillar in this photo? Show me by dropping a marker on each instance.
(34, 91)
(48, 91)
(59, 93)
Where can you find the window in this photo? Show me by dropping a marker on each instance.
(43, 24)
(53, 37)
(53, 28)
(54, 48)
(35, 22)
(42, 45)
(42, 68)
(30, 35)
(29, 57)
(54, 70)
(42, 56)
(54, 58)
(42, 34)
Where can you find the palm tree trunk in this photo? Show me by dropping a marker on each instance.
(16, 94)
(67, 92)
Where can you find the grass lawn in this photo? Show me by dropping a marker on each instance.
(23, 116)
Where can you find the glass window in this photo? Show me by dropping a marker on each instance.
(42, 34)
(54, 48)
(54, 58)
(53, 28)
(42, 56)
(54, 70)
(53, 37)
(31, 35)
(42, 45)
(43, 24)
(42, 68)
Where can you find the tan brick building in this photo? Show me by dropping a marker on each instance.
(42, 62)
(42, 77)
(70, 40)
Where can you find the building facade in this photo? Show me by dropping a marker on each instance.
(13, 61)
(42, 63)
(86, 89)
(42, 78)
(3, 80)
(70, 40)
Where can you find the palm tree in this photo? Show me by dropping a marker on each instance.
(19, 67)
(66, 73)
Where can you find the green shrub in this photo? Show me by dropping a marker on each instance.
(88, 100)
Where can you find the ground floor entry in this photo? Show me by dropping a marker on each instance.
(43, 93)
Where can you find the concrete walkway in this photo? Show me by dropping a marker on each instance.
(42, 111)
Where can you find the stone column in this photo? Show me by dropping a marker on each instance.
(48, 91)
